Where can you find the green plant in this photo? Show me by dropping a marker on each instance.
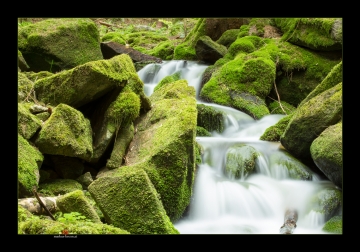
(71, 217)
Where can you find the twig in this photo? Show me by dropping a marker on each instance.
(277, 93)
(42, 204)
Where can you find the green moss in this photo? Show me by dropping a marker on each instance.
(76, 201)
(29, 162)
(59, 43)
(228, 37)
(200, 131)
(86, 82)
(23, 214)
(164, 50)
(334, 225)
(273, 133)
(285, 108)
(129, 200)
(114, 37)
(210, 119)
(39, 226)
(59, 186)
(168, 79)
(240, 165)
(186, 50)
(66, 133)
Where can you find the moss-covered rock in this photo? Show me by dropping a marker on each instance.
(28, 124)
(274, 132)
(333, 78)
(164, 50)
(67, 132)
(85, 180)
(327, 152)
(240, 161)
(23, 214)
(314, 33)
(228, 37)
(209, 118)
(209, 51)
(114, 37)
(87, 82)
(34, 76)
(29, 162)
(334, 225)
(168, 79)
(76, 201)
(122, 141)
(200, 131)
(309, 120)
(42, 226)
(56, 44)
(129, 201)
(55, 187)
(164, 145)
(281, 108)
(328, 202)
(284, 165)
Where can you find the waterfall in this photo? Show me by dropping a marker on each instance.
(252, 205)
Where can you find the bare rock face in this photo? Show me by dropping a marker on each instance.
(111, 49)
(290, 219)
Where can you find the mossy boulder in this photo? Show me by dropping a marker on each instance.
(164, 145)
(240, 161)
(299, 72)
(334, 77)
(284, 165)
(34, 76)
(57, 44)
(314, 33)
(209, 51)
(228, 37)
(274, 132)
(164, 50)
(327, 152)
(23, 214)
(39, 226)
(54, 187)
(28, 124)
(200, 131)
(334, 225)
(310, 120)
(87, 82)
(76, 201)
(85, 180)
(168, 79)
(29, 162)
(145, 41)
(328, 202)
(117, 37)
(129, 201)
(244, 82)
(67, 132)
(210, 119)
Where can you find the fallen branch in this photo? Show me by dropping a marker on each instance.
(42, 204)
(277, 93)
(109, 25)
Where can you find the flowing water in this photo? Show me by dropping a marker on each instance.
(253, 204)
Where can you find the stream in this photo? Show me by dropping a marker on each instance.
(253, 204)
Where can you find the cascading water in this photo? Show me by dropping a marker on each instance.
(253, 204)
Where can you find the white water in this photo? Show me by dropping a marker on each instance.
(252, 205)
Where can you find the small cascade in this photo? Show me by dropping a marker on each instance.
(254, 204)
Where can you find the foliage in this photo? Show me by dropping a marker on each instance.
(71, 217)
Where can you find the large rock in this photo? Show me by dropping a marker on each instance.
(129, 201)
(240, 161)
(67, 132)
(87, 82)
(76, 201)
(314, 33)
(29, 162)
(209, 51)
(163, 145)
(310, 120)
(327, 150)
(59, 43)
